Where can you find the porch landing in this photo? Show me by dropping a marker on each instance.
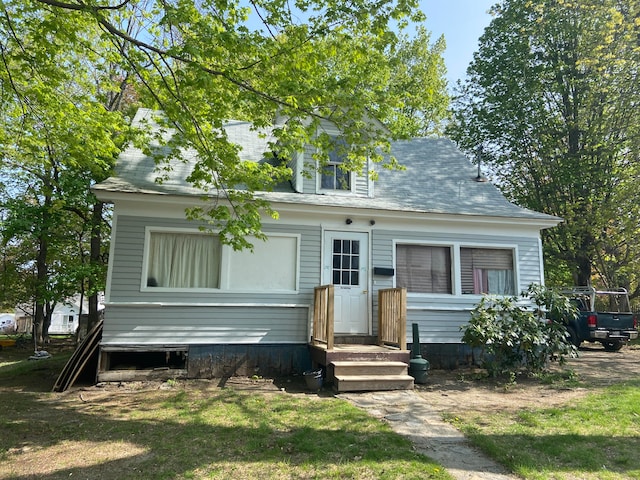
(360, 367)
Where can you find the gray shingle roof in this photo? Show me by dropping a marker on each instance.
(438, 179)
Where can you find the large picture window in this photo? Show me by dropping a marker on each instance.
(183, 260)
(193, 260)
(423, 268)
(487, 270)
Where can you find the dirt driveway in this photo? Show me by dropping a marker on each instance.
(463, 390)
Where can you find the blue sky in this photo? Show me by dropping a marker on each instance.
(462, 22)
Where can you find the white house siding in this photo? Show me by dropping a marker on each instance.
(439, 317)
(297, 173)
(141, 317)
(362, 184)
(307, 166)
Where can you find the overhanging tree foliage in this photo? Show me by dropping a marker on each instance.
(552, 102)
(204, 62)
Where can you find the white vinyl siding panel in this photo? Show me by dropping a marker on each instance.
(309, 177)
(296, 172)
(151, 325)
(362, 184)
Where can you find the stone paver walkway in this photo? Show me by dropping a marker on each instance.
(410, 415)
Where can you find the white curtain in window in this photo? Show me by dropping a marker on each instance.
(487, 270)
(500, 282)
(183, 260)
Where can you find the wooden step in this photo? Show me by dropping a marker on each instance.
(369, 368)
(359, 383)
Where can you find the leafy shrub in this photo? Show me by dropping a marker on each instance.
(521, 334)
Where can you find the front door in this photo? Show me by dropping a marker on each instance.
(346, 262)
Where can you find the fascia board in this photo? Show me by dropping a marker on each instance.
(173, 206)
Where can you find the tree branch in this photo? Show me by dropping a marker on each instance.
(110, 28)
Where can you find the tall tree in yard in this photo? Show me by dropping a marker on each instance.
(551, 106)
(57, 138)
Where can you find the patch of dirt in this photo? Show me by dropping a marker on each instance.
(465, 390)
(453, 391)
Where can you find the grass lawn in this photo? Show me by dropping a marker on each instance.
(594, 438)
(193, 430)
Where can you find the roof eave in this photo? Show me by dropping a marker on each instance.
(541, 221)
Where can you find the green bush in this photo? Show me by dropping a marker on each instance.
(520, 334)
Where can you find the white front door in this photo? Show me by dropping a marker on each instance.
(346, 261)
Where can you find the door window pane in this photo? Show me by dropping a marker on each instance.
(346, 262)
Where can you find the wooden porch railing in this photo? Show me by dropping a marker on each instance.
(392, 317)
(323, 316)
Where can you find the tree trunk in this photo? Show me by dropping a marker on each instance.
(38, 321)
(96, 262)
(48, 313)
(41, 286)
(582, 274)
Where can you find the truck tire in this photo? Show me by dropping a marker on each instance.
(573, 337)
(612, 345)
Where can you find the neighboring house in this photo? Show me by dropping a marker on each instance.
(7, 323)
(175, 293)
(65, 318)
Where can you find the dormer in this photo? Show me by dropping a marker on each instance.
(310, 176)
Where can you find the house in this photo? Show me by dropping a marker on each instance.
(434, 229)
(65, 318)
(7, 323)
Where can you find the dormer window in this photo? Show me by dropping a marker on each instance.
(335, 178)
(332, 176)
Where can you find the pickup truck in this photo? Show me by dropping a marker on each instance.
(603, 316)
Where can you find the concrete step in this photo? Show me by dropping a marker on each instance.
(360, 383)
(379, 367)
